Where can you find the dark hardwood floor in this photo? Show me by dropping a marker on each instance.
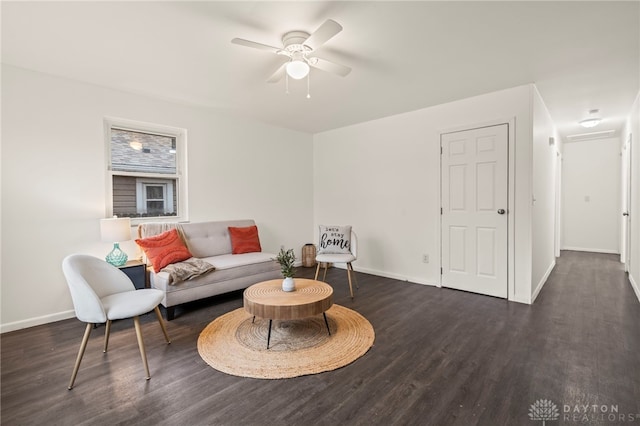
(441, 357)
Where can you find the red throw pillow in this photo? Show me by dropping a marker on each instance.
(164, 249)
(244, 240)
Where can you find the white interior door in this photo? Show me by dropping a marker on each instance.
(474, 179)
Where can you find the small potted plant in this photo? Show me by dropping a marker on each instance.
(286, 258)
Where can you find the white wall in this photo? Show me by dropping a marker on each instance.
(383, 178)
(633, 128)
(544, 194)
(54, 181)
(591, 195)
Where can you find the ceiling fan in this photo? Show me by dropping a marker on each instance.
(299, 46)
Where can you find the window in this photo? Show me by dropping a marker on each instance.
(155, 196)
(145, 171)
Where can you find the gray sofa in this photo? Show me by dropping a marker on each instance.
(210, 241)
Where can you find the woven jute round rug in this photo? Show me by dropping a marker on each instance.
(237, 345)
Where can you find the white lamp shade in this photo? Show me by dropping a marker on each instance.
(297, 69)
(115, 229)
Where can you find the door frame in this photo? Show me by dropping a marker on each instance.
(557, 238)
(511, 192)
(625, 253)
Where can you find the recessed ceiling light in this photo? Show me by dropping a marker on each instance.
(591, 121)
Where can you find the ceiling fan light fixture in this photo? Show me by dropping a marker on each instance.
(297, 69)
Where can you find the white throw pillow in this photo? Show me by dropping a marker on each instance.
(334, 239)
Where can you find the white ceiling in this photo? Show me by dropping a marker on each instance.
(405, 55)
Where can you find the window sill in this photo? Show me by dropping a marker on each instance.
(135, 221)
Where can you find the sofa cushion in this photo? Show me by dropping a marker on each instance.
(244, 239)
(164, 249)
(228, 261)
(228, 268)
(206, 239)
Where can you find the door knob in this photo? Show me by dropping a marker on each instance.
(501, 211)
(625, 214)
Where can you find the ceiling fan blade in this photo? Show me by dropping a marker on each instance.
(247, 43)
(332, 67)
(326, 31)
(278, 74)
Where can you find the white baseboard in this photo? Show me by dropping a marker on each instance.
(543, 281)
(635, 287)
(393, 276)
(519, 300)
(32, 322)
(592, 250)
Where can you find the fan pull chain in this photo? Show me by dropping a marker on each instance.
(308, 78)
(286, 77)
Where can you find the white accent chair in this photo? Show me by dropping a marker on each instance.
(102, 293)
(341, 258)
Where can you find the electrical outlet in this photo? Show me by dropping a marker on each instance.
(425, 258)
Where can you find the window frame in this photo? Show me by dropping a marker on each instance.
(180, 176)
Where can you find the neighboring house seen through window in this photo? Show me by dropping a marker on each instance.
(154, 197)
(145, 171)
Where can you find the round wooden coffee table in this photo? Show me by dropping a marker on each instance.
(267, 300)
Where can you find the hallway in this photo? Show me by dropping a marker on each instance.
(586, 331)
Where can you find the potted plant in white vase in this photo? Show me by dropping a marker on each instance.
(286, 260)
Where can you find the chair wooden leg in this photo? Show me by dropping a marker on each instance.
(83, 346)
(143, 353)
(349, 278)
(324, 277)
(164, 329)
(317, 271)
(355, 278)
(107, 330)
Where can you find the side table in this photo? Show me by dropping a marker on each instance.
(136, 270)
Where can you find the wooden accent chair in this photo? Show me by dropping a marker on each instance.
(102, 293)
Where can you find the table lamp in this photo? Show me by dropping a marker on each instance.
(116, 230)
